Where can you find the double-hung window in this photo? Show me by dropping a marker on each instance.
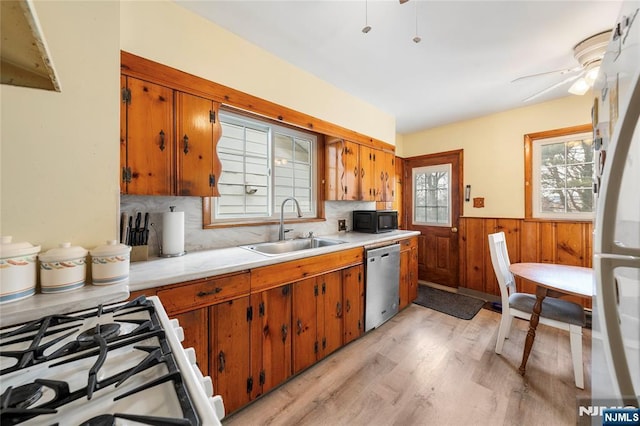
(262, 165)
(562, 176)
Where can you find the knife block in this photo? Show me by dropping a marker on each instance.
(139, 253)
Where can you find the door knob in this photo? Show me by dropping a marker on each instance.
(454, 229)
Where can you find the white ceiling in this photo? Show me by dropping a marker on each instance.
(463, 68)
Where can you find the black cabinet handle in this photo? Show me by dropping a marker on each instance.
(339, 310)
(209, 293)
(186, 144)
(161, 140)
(299, 326)
(348, 307)
(221, 361)
(285, 332)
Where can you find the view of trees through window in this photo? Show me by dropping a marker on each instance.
(431, 195)
(566, 176)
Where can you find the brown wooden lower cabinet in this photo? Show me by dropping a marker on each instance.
(317, 318)
(270, 339)
(353, 296)
(251, 333)
(408, 271)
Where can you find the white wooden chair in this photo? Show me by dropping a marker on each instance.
(555, 312)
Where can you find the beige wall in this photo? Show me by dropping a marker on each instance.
(166, 33)
(493, 150)
(59, 151)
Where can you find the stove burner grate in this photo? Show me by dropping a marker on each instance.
(105, 330)
(22, 396)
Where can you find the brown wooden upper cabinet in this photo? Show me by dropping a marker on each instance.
(358, 172)
(146, 133)
(158, 159)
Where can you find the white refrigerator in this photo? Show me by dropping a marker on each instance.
(616, 244)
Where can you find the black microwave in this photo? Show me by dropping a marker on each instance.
(375, 221)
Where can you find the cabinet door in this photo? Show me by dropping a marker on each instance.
(230, 358)
(353, 296)
(404, 278)
(304, 325)
(349, 171)
(385, 175)
(149, 138)
(367, 174)
(195, 326)
(333, 153)
(330, 313)
(413, 272)
(275, 339)
(194, 145)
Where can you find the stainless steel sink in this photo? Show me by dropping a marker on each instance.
(287, 246)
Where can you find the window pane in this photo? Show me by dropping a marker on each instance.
(565, 176)
(432, 195)
(303, 150)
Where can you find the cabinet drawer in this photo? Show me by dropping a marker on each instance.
(204, 292)
(408, 244)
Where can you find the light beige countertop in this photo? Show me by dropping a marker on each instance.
(158, 271)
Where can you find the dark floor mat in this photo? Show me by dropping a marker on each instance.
(454, 304)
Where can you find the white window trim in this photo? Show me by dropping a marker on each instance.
(430, 169)
(274, 211)
(535, 179)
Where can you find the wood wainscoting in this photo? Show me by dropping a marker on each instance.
(562, 242)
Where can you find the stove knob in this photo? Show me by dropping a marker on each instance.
(191, 355)
(218, 406)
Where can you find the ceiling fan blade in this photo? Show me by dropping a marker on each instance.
(561, 72)
(403, 1)
(550, 88)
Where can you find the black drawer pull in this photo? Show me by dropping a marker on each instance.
(209, 293)
(221, 361)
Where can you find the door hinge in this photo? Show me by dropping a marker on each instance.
(315, 289)
(212, 116)
(262, 378)
(261, 309)
(126, 174)
(126, 95)
(359, 325)
(249, 313)
(249, 384)
(212, 180)
(324, 343)
(315, 347)
(285, 290)
(359, 276)
(324, 288)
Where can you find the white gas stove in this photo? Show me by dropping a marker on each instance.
(117, 364)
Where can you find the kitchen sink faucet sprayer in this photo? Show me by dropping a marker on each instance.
(281, 230)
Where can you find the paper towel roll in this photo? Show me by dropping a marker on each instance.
(173, 233)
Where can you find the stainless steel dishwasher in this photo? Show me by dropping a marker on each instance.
(382, 285)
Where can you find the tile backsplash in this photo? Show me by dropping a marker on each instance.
(196, 238)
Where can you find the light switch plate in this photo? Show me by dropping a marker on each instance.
(342, 225)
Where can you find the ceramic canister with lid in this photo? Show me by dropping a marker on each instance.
(17, 270)
(63, 268)
(110, 263)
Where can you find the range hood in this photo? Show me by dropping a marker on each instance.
(25, 57)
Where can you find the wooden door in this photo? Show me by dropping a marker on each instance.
(194, 145)
(149, 138)
(274, 322)
(353, 296)
(304, 324)
(404, 278)
(433, 202)
(196, 335)
(230, 356)
(330, 313)
(385, 176)
(367, 174)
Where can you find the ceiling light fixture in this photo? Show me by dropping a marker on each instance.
(366, 27)
(417, 38)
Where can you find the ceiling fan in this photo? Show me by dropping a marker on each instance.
(589, 53)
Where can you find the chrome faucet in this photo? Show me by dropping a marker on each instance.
(281, 231)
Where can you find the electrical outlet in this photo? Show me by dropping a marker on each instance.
(342, 225)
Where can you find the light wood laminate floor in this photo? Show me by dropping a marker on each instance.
(427, 368)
